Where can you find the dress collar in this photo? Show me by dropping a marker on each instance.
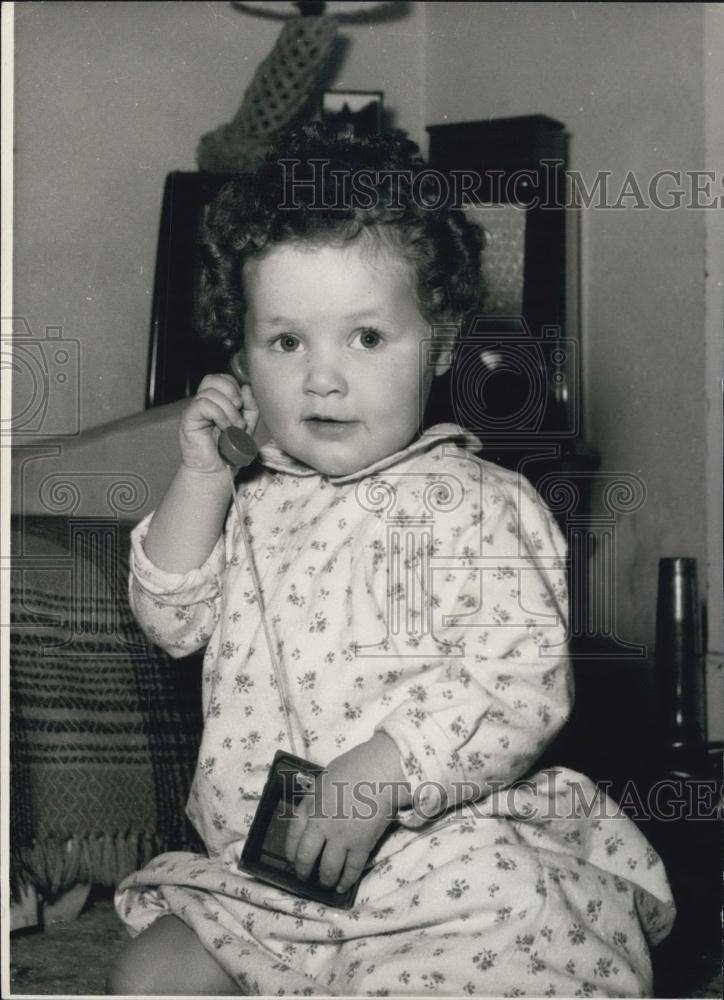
(273, 457)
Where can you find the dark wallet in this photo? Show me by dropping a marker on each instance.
(290, 778)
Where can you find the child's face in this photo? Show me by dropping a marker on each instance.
(332, 351)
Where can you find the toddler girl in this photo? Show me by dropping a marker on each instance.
(410, 638)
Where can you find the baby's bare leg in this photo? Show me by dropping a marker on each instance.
(168, 959)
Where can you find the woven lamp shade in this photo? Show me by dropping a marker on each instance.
(281, 86)
(284, 81)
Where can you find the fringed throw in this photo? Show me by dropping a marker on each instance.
(104, 727)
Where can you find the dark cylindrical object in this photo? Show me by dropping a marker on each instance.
(236, 447)
(679, 660)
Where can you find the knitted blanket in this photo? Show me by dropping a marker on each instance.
(104, 727)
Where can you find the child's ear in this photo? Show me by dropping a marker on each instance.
(237, 363)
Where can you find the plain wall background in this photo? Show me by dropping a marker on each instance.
(110, 97)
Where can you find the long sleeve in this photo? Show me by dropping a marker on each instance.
(177, 611)
(480, 716)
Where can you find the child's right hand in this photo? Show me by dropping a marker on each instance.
(216, 406)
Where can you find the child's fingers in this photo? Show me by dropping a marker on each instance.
(353, 868)
(225, 384)
(215, 406)
(308, 850)
(295, 828)
(332, 862)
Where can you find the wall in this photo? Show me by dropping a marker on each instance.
(627, 80)
(110, 97)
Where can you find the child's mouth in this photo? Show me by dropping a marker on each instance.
(326, 427)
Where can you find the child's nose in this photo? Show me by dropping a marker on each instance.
(324, 376)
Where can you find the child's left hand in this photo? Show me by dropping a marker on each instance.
(356, 798)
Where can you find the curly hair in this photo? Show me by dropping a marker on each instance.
(324, 186)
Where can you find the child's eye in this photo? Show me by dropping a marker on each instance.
(366, 339)
(287, 342)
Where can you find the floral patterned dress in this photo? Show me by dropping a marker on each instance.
(425, 597)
